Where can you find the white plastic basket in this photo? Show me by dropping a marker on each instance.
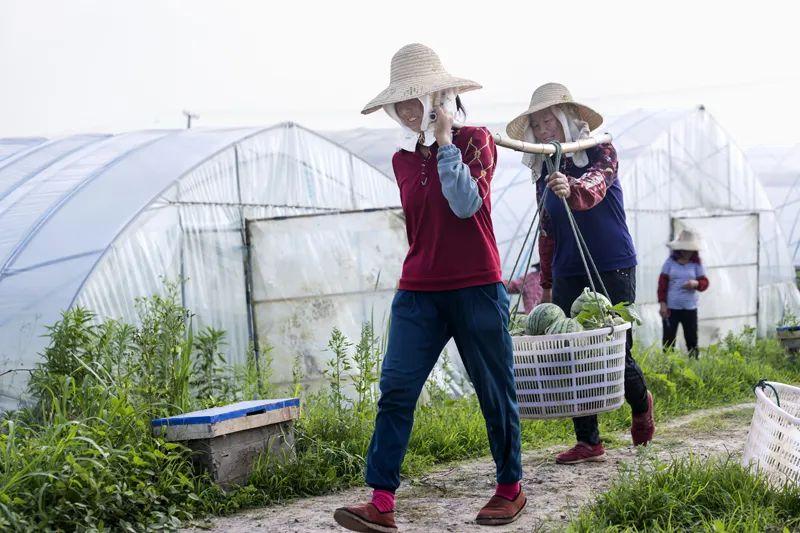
(570, 374)
(773, 443)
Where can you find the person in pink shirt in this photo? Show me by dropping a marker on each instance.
(529, 286)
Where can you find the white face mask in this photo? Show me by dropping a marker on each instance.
(410, 138)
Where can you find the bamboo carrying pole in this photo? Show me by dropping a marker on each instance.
(549, 149)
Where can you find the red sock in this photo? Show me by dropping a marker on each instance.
(509, 491)
(383, 500)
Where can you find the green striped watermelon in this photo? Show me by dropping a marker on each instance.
(588, 299)
(541, 317)
(564, 325)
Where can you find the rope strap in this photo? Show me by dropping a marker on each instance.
(763, 384)
(553, 164)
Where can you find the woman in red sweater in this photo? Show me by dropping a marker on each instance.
(451, 286)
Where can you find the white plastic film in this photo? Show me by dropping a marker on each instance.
(672, 164)
(314, 273)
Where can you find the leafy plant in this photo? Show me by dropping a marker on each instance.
(366, 363)
(338, 368)
(596, 314)
(789, 319)
(210, 379)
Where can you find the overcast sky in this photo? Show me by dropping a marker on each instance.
(112, 65)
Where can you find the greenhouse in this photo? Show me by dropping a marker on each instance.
(678, 169)
(778, 168)
(277, 235)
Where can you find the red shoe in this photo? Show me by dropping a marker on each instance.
(644, 426)
(582, 452)
(365, 518)
(501, 511)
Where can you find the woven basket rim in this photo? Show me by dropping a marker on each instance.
(576, 334)
(761, 395)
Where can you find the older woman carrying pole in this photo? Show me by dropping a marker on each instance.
(451, 286)
(588, 181)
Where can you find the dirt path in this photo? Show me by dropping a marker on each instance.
(448, 499)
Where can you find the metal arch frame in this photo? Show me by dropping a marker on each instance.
(26, 152)
(25, 144)
(352, 156)
(65, 199)
(16, 185)
(95, 138)
(135, 216)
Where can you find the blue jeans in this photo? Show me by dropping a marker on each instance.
(422, 323)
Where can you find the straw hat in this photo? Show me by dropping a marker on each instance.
(687, 240)
(416, 71)
(545, 96)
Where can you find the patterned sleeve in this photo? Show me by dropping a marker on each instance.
(480, 155)
(547, 243)
(590, 188)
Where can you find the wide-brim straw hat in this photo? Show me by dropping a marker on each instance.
(548, 95)
(417, 71)
(687, 240)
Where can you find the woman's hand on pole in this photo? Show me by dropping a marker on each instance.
(559, 184)
(664, 311)
(443, 129)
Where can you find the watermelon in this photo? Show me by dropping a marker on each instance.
(588, 299)
(541, 317)
(564, 325)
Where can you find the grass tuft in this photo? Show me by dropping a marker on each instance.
(691, 494)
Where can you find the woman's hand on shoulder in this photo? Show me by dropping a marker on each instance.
(559, 184)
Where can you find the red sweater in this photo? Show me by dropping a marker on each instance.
(446, 252)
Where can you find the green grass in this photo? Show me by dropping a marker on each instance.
(718, 421)
(691, 495)
(83, 456)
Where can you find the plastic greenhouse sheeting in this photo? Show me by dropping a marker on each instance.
(101, 220)
(778, 168)
(675, 165)
(10, 147)
(344, 269)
